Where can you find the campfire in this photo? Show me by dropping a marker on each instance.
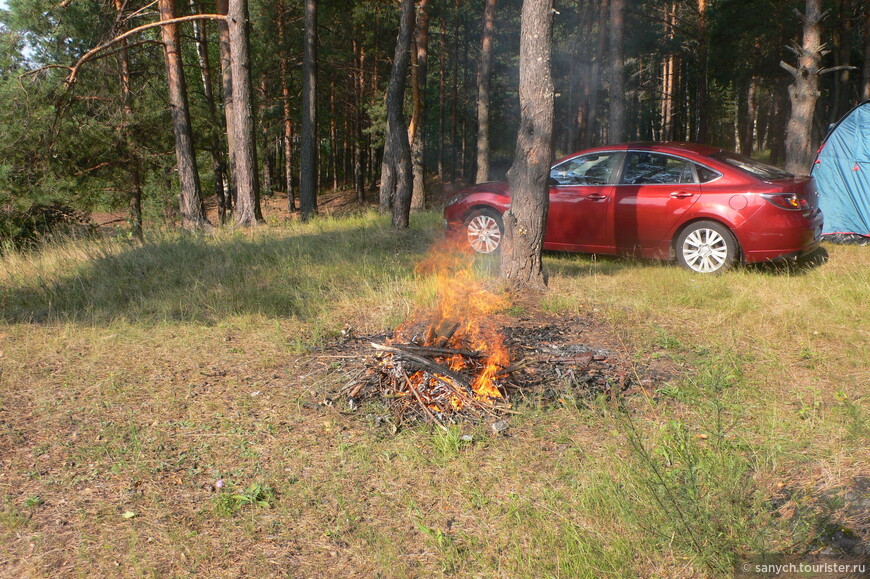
(451, 363)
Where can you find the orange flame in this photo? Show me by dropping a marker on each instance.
(462, 319)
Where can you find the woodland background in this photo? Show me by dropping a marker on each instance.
(695, 70)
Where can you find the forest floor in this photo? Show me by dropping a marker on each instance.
(172, 408)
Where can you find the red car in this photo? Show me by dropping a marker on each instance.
(701, 205)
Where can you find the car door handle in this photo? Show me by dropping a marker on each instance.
(596, 197)
(681, 194)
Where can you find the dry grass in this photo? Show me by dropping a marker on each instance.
(134, 378)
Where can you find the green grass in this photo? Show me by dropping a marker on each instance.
(134, 377)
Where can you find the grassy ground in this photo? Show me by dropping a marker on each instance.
(161, 415)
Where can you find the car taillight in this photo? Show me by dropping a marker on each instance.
(787, 201)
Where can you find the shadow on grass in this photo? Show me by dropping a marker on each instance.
(196, 278)
(580, 265)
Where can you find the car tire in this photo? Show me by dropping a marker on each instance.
(706, 247)
(484, 229)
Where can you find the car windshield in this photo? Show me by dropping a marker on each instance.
(755, 168)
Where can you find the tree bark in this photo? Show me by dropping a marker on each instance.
(132, 160)
(397, 131)
(590, 126)
(528, 177)
(617, 125)
(222, 6)
(419, 71)
(308, 155)
(701, 134)
(803, 92)
(483, 83)
(442, 100)
(190, 200)
(359, 97)
(287, 121)
(247, 181)
(215, 146)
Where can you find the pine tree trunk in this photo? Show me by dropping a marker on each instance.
(222, 6)
(617, 129)
(359, 96)
(287, 121)
(702, 114)
(132, 160)
(247, 181)
(190, 200)
(308, 156)
(419, 71)
(215, 147)
(442, 100)
(397, 131)
(803, 93)
(483, 83)
(524, 222)
(590, 128)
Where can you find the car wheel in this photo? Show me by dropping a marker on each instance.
(484, 229)
(706, 247)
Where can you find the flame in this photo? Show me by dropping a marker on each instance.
(461, 320)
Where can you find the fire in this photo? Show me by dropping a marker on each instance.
(460, 332)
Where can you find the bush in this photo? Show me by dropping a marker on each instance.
(27, 228)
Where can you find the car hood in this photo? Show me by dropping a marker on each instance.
(497, 187)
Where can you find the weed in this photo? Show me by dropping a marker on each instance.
(256, 495)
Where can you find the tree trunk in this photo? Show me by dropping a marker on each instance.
(701, 135)
(222, 6)
(247, 181)
(215, 148)
(524, 222)
(483, 82)
(287, 121)
(454, 93)
(132, 160)
(442, 100)
(333, 138)
(359, 96)
(190, 200)
(803, 92)
(397, 131)
(747, 118)
(419, 71)
(590, 126)
(308, 156)
(617, 129)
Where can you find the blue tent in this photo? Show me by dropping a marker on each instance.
(842, 174)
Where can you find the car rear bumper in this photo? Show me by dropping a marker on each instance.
(784, 235)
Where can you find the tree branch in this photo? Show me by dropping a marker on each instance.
(791, 70)
(836, 68)
(74, 70)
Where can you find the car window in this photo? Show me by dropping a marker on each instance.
(593, 169)
(755, 168)
(706, 175)
(643, 168)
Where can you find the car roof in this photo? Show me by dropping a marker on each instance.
(674, 148)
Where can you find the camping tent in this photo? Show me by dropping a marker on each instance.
(842, 174)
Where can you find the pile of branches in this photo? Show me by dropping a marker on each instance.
(418, 384)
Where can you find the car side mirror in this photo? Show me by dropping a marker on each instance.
(553, 182)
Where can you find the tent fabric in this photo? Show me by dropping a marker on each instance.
(842, 175)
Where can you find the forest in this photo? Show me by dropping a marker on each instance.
(100, 99)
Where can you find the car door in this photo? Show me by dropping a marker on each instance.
(653, 192)
(581, 199)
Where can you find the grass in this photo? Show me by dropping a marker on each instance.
(133, 378)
